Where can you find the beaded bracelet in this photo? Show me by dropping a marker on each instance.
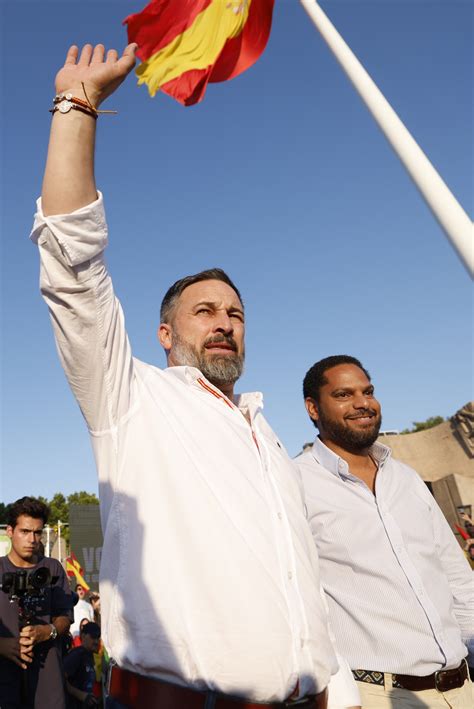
(64, 102)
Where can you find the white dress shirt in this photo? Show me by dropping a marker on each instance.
(399, 588)
(82, 609)
(209, 574)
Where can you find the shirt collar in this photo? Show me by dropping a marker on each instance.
(337, 465)
(250, 401)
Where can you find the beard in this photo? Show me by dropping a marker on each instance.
(349, 438)
(218, 369)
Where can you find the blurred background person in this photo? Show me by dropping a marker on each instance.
(79, 670)
(82, 609)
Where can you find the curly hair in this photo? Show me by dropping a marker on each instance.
(315, 378)
(30, 506)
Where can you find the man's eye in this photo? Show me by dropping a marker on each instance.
(237, 316)
(342, 394)
(203, 310)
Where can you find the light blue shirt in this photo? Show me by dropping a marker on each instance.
(399, 588)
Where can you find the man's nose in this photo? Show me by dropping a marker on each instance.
(223, 323)
(361, 401)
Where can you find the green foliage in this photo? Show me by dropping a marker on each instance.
(59, 506)
(423, 425)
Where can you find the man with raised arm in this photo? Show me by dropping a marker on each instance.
(209, 577)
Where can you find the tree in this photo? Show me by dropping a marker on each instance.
(82, 498)
(59, 506)
(3, 513)
(59, 509)
(430, 422)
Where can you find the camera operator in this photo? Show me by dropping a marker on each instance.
(35, 610)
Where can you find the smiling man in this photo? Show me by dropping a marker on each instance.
(209, 577)
(399, 588)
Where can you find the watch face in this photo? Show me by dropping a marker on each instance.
(65, 106)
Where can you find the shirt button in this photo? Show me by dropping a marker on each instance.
(290, 575)
(280, 516)
(302, 642)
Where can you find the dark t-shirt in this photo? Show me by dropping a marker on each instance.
(79, 669)
(43, 685)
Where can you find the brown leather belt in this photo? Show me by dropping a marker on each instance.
(442, 680)
(138, 692)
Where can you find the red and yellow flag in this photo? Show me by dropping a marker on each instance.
(184, 44)
(74, 570)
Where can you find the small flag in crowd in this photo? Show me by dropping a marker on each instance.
(184, 44)
(462, 532)
(74, 570)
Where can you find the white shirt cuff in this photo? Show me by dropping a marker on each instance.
(82, 234)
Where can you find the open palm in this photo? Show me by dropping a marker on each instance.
(101, 73)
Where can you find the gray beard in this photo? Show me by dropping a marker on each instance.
(219, 370)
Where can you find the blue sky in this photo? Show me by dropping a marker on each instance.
(282, 178)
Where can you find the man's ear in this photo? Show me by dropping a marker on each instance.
(165, 333)
(312, 408)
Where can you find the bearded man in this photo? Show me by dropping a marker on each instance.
(399, 588)
(209, 578)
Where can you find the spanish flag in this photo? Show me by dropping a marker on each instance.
(184, 44)
(74, 570)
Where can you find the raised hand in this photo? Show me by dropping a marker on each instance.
(101, 73)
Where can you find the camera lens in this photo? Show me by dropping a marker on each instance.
(39, 578)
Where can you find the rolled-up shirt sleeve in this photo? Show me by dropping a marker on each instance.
(87, 318)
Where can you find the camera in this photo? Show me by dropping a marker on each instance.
(28, 588)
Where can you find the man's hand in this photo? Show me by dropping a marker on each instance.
(101, 74)
(31, 635)
(10, 649)
(73, 134)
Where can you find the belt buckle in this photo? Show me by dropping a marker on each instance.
(436, 680)
(463, 662)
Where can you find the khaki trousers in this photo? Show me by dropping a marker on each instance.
(374, 696)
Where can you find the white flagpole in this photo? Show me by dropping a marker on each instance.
(443, 204)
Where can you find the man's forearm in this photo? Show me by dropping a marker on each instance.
(31, 635)
(69, 181)
(75, 692)
(62, 624)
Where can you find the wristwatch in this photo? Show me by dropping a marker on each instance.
(54, 632)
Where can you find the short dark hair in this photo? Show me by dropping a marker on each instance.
(30, 506)
(172, 294)
(91, 629)
(315, 378)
